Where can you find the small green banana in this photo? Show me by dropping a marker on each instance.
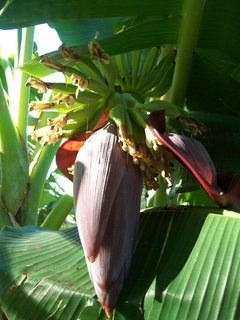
(122, 67)
(77, 77)
(147, 65)
(85, 63)
(138, 133)
(90, 68)
(65, 103)
(123, 122)
(163, 86)
(110, 71)
(64, 88)
(134, 62)
(88, 126)
(158, 72)
(98, 87)
(88, 97)
(118, 115)
(78, 117)
(139, 116)
(129, 124)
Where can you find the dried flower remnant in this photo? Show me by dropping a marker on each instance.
(58, 122)
(52, 64)
(140, 156)
(71, 170)
(67, 53)
(79, 81)
(96, 51)
(51, 133)
(38, 84)
(68, 100)
(40, 105)
(192, 126)
(47, 135)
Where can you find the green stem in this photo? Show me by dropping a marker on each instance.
(19, 41)
(21, 78)
(165, 49)
(37, 181)
(59, 213)
(160, 197)
(191, 19)
(14, 162)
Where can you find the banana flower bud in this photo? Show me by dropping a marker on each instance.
(107, 192)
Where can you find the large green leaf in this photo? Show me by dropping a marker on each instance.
(42, 273)
(194, 256)
(214, 85)
(19, 13)
(206, 285)
(153, 33)
(86, 30)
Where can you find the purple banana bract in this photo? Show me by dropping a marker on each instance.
(107, 191)
(192, 154)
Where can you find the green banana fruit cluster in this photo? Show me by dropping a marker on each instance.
(96, 84)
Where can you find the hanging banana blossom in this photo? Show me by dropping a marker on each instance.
(112, 162)
(107, 191)
(195, 158)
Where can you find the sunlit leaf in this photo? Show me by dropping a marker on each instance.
(189, 251)
(19, 13)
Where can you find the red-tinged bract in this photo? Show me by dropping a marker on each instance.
(67, 153)
(107, 191)
(192, 154)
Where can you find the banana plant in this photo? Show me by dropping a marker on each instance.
(127, 124)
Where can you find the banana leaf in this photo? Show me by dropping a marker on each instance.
(17, 13)
(188, 256)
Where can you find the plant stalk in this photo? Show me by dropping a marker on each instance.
(14, 162)
(187, 39)
(160, 197)
(19, 42)
(37, 180)
(22, 96)
(59, 213)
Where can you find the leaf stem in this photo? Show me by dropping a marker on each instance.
(59, 213)
(22, 95)
(19, 41)
(160, 197)
(191, 19)
(37, 180)
(14, 162)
